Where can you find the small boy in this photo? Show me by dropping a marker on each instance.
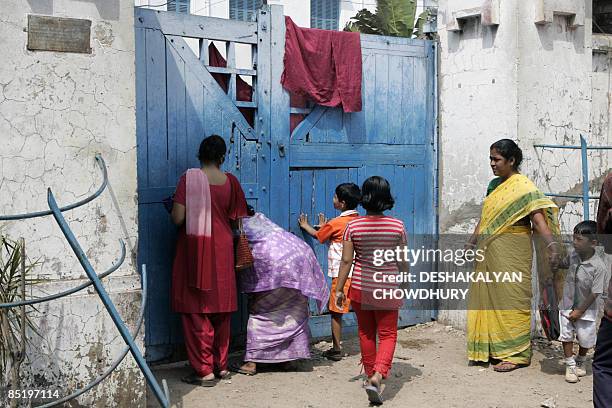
(346, 200)
(582, 291)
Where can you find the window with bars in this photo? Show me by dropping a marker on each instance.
(179, 6)
(244, 9)
(324, 14)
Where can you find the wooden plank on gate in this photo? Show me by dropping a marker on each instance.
(328, 155)
(310, 121)
(190, 25)
(237, 71)
(381, 102)
(279, 119)
(263, 127)
(220, 97)
(157, 135)
(141, 106)
(394, 108)
(175, 111)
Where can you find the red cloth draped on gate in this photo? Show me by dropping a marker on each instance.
(323, 65)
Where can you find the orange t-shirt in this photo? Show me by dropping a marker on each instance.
(333, 231)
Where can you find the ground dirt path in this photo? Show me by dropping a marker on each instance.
(429, 370)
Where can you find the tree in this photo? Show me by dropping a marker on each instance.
(393, 18)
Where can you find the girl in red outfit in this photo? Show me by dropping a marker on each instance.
(366, 235)
(203, 277)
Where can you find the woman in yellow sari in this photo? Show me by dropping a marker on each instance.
(499, 314)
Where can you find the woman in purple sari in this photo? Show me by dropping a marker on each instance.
(285, 274)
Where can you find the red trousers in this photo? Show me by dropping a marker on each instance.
(207, 337)
(371, 323)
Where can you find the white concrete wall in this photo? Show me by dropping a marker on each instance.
(57, 110)
(602, 92)
(531, 83)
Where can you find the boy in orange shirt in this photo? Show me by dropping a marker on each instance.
(346, 199)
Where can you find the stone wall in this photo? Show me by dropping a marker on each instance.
(57, 111)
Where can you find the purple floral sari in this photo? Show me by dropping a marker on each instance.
(285, 274)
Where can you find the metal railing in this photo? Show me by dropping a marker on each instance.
(584, 148)
(162, 396)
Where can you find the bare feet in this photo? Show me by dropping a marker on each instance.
(249, 366)
(376, 379)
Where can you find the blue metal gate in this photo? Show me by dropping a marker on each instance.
(179, 102)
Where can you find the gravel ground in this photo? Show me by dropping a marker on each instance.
(429, 370)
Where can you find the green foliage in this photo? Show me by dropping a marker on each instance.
(13, 321)
(397, 16)
(365, 22)
(393, 18)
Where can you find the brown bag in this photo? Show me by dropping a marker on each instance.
(244, 257)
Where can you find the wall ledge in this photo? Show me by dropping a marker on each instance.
(573, 9)
(460, 10)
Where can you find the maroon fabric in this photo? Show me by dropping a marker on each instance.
(207, 338)
(324, 65)
(604, 211)
(200, 262)
(228, 203)
(244, 91)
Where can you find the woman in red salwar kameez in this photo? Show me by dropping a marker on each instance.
(203, 277)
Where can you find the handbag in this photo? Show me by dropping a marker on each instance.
(242, 252)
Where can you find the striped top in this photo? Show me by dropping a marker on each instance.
(368, 234)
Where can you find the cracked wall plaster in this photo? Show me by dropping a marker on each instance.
(57, 110)
(530, 83)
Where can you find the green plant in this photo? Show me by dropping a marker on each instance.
(15, 270)
(393, 18)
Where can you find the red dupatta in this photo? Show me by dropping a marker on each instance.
(200, 243)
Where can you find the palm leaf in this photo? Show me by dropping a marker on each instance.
(393, 17)
(12, 323)
(396, 16)
(364, 22)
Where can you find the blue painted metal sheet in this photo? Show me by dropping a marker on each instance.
(178, 103)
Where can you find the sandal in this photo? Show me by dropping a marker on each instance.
(333, 355)
(505, 367)
(195, 379)
(224, 375)
(375, 394)
(235, 367)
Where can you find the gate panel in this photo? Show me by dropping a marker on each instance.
(393, 136)
(179, 102)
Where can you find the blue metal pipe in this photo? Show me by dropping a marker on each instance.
(585, 178)
(570, 196)
(110, 270)
(124, 352)
(72, 206)
(551, 146)
(108, 303)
